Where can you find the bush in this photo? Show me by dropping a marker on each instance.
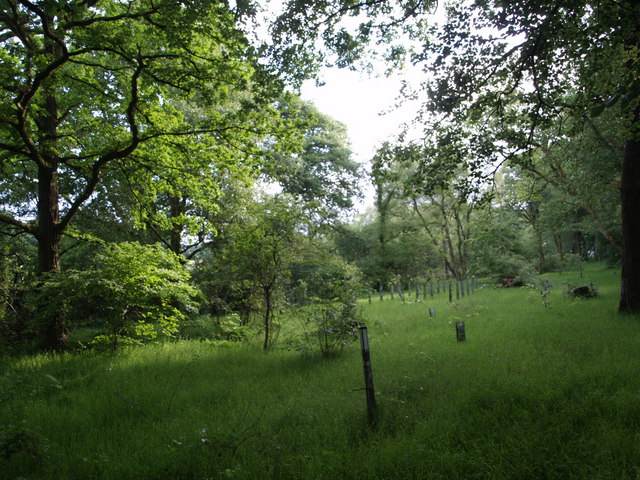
(515, 271)
(14, 282)
(135, 293)
(206, 327)
(329, 326)
(329, 314)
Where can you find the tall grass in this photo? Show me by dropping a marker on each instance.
(543, 387)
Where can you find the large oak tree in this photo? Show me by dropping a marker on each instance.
(94, 89)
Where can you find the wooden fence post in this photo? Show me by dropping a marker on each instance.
(460, 333)
(368, 376)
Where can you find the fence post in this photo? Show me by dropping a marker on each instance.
(460, 333)
(368, 376)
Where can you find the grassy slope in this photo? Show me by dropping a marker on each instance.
(536, 391)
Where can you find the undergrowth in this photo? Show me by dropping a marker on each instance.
(545, 386)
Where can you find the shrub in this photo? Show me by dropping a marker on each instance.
(207, 327)
(329, 315)
(135, 293)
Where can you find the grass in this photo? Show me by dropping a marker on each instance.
(542, 388)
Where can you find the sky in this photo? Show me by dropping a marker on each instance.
(365, 104)
(360, 102)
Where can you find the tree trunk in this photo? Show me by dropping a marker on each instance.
(176, 208)
(540, 248)
(267, 317)
(630, 200)
(576, 247)
(54, 335)
(557, 239)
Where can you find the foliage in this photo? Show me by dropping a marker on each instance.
(206, 327)
(259, 252)
(328, 290)
(157, 102)
(134, 293)
(16, 277)
(521, 80)
(322, 175)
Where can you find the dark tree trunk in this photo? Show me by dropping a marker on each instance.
(176, 208)
(576, 247)
(54, 335)
(630, 200)
(267, 317)
(557, 239)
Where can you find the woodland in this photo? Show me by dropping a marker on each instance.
(158, 170)
(184, 273)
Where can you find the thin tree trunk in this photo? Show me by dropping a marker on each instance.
(540, 247)
(267, 317)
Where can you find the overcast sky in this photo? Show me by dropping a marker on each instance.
(360, 102)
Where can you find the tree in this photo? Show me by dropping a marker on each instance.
(91, 89)
(509, 67)
(260, 250)
(513, 68)
(322, 175)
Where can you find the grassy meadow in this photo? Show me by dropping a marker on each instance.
(543, 388)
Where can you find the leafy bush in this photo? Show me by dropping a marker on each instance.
(14, 282)
(206, 327)
(514, 271)
(329, 315)
(329, 326)
(135, 293)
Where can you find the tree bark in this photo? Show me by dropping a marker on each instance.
(267, 317)
(54, 335)
(630, 200)
(176, 208)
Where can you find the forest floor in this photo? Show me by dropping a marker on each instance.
(543, 387)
